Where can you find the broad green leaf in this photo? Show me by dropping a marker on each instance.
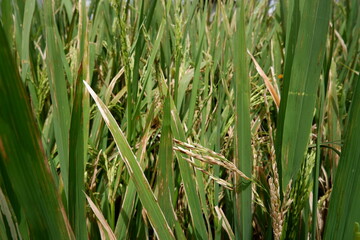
(298, 98)
(22, 158)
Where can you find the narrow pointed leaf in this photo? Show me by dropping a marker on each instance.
(147, 198)
(243, 151)
(344, 208)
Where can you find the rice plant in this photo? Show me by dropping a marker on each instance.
(179, 119)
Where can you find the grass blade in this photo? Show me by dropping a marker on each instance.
(58, 92)
(11, 223)
(316, 170)
(298, 99)
(196, 80)
(22, 157)
(344, 208)
(78, 137)
(267, 81)
(101, 218)
(243, 151)
(147, 198)
(76, 202)
(127, 207)
(186, 171)
(166, 171)
(28, 15)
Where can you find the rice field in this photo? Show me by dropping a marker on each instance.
(179, 119)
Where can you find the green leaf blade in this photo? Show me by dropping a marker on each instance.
(298, 102)
(22, 157)
(147, 198)
(344, 208)
(243, 151)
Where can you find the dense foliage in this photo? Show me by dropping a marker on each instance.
(179, 119)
